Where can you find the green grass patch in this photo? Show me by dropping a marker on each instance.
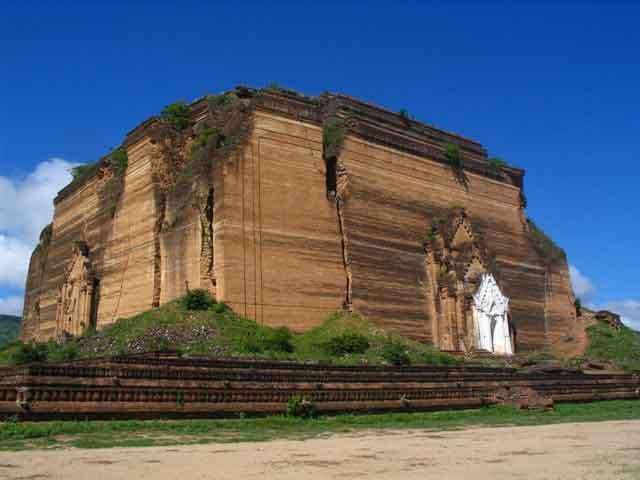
(131, 433)
(620, 347)
(198, 325)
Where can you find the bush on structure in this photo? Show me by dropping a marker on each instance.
(177, 115)
(578, 304)
(453, 154)
(225, 101)
(348, 342)
(496, 164)
(198, 299)
(29, 353)
(208, 137)
(395, 353)
(80, 170)
(298, 406)
(119, 161)
(333, 137)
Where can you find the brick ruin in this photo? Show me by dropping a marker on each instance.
(289, 208)
(165, 386)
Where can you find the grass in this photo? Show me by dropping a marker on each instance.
(621, 347)
(218, 331)
(131, 433)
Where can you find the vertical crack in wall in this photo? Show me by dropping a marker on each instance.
(161, 207)
(342, 181)
(207, 278)
(344, 240)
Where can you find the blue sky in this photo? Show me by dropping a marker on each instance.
(550, 88)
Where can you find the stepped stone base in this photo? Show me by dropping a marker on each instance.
(165, 386)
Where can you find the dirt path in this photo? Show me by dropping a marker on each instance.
(585, 451)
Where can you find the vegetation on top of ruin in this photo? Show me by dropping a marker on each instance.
(620, 347)
(81, 170)
(547, 249)
(198, 325)
(333, 132)
(225, 100)
(176, 115)
(496, 164)
(136, 433)
(454, 156)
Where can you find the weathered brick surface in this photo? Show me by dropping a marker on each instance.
(281, 249)
(164, 386)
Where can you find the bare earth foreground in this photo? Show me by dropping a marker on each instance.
(567, 451)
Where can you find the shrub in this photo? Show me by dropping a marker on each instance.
(80, 170)
(332, 137)
(298, 406)
(198, 299)
(29, 353)
(453, 154)
(350, 342)
(496, 164)
(406, 116)
(118, 161)
(395, 353)
(225, 101)
(278, 340)
(208, 137)
(177, 115)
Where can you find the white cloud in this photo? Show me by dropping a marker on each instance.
(629, 311)
(26, 206)
(14, 261)
(582, 285)
(11, 306)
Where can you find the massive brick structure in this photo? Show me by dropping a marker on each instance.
(289, 208)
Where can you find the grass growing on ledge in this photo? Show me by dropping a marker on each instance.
(95, 434)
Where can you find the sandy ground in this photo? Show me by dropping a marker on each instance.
(570, 451)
